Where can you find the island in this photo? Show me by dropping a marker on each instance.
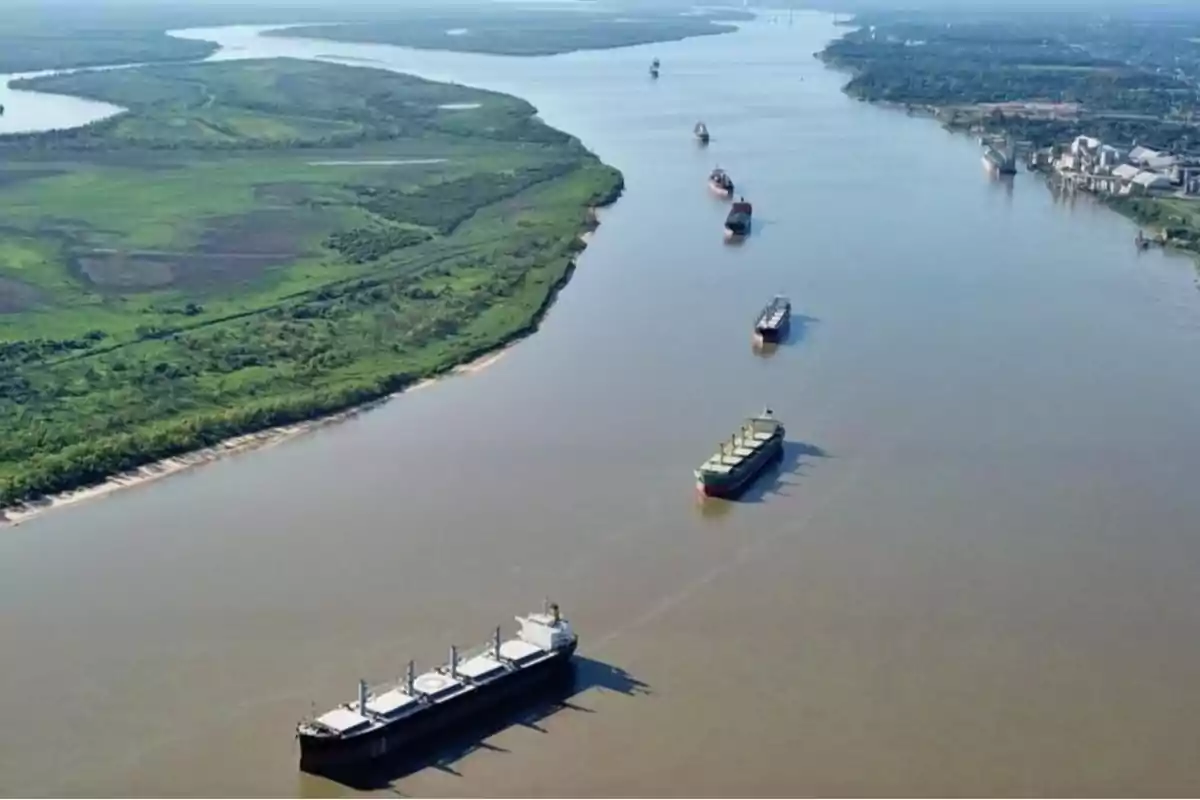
(60, 34)
(256, 244)
(1107, 104)
(523, 32)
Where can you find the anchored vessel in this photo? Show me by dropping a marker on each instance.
(654, 68)
(738, 221)
(720, 182)
(701, 131)
(1003, 162)
(388, 723)
(772, 323)
(738, 461)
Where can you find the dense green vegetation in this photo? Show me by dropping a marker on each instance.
(524, 32)
(1177, 219)
(27, 50)
(262, 242)
(1124, 78)
(1117, 77)
(55, 34)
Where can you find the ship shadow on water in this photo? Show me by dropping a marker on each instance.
(447, 750)
(774, 480)
(796, 332)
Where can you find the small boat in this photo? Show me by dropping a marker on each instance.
(772, 323)
(701, 131)
(720, 182)
(737, 223)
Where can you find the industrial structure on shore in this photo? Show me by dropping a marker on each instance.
(1091, 165)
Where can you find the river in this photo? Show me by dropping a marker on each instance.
(978, 573)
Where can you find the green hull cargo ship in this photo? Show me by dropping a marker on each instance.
(740, 460)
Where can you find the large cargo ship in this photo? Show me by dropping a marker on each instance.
(720, 182)
(738, 461)
(654, 68)
(391, 723)
(1002, 162)
(737, 223)
(772, 322)
(701, 131)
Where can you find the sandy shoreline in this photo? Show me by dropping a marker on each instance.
(21, 512)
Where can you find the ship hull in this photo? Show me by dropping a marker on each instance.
(738, 221)
(773, 334)
(735, 483)
(419, 734)
(999, 164)
(723, 191)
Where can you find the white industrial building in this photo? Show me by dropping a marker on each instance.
(1148, 181)
(1125, 172)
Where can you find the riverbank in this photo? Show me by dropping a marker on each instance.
(353, 248)
(17, 513)
(1039, 97)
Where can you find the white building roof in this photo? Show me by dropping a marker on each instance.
(1125, 171)
(1151, 179)
(1140, 154)
(1161, 161)
(342, 720)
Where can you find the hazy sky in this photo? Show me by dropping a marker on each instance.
(347, 7)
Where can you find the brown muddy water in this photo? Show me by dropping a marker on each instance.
(978, 573)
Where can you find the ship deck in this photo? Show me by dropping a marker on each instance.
(743, 448)
(773, 320)
(429, 689)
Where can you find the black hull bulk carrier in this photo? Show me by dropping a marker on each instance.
(389, 724)
(737, 223)
(772, 323)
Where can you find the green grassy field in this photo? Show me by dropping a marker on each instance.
(1176, 218)
(262, 242)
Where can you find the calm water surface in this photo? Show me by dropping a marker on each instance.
(989, 584)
